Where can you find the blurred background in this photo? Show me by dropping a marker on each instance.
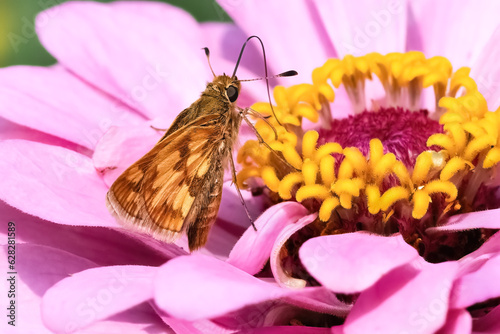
(19, 45)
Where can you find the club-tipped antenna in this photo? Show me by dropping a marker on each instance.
(284, 74)
(207, 53)
(266, 76)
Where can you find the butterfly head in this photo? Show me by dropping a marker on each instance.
(228, 87)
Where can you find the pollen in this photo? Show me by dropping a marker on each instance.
(390, 159)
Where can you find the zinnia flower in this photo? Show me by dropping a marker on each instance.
(383, 187)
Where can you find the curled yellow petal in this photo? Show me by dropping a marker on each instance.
(373, 197)
(312, 191)
(327, 170)
(442, 140)
(327, 149)
(292, 156)
(453, 166)
(421, 202)
(310, 172)
(309, 144)
(376, 151)
(445, 187)
(392, 195)
(347, 186)
(356, 158)
(328, 205)
(245, 174)
(287, 184)
(270, 178)
(384, 166)
(346, 201)
(492, 158)
(476, 146)
(422, 167)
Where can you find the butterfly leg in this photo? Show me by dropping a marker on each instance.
(243, 113)
(158, 129)
(233, 172)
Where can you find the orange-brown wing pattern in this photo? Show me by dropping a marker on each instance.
(176, 186)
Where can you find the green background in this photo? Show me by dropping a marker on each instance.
(18, 14)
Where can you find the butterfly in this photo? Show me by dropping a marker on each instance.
(177, 186)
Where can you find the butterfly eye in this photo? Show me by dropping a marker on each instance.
(232, 93)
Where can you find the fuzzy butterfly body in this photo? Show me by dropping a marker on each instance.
(177, 186)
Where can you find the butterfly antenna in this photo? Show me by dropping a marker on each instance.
(265, 71)
(207, 53)
(284, 74)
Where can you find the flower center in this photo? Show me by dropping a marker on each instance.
(402, 132)
(392, 169)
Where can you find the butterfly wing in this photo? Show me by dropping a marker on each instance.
(176, 186)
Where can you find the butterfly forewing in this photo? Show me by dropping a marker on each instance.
(176, 186)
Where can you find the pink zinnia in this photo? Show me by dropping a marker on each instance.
(383, 219)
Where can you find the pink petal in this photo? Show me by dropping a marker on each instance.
(457, 31)
(275, 313)
(457, 322)
(309, 47)
(140, 319)
(38, 268)
(11, 130)
(468, 221)
(200, 287)
(54, 101)
(488, 323)
(287, 330)
(196, 327)
(120, 147)
(279, 274)
(486, 71)
(362, 257)
(220, 241)
(100, 245)
(231, 209)
(338, 329)
(317, 299)
(253, 249)
(361, 27)
(419, 298)
(232, 221)
(475, 260)
(489, 249)
(245, 320)
(52, 183)
(95, 294)
(154, 64)
(477, 286)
